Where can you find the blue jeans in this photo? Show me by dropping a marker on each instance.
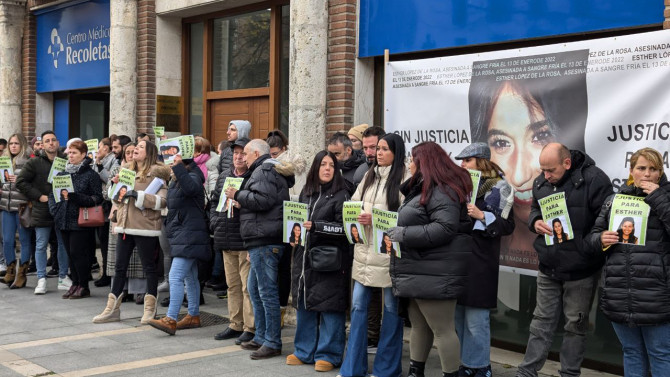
(388, 360)
(644, 348)
(10, 223)
(474, 333)
(319, 336)
(42, 235)
(184, 270)
(264, 294)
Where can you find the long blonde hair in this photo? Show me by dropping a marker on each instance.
(152, 159)
(23, 152)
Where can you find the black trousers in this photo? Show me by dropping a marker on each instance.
(147, 247)
(103, 236)
(78, 244)
(374, 315)
(284, 276)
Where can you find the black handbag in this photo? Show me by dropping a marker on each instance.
(325, 258)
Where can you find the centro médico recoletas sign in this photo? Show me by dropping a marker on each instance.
(73, 48)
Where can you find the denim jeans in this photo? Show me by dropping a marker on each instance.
(10, 224)
(574, 299)
(184, 270)
(264, 294)
(474, 333)
(42, 235)
(388, 360)
(319, 336)
(645, 348)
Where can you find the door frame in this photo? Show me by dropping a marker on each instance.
(208, 95)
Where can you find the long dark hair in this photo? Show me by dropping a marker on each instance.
(392, 187)
(312, 183)
(434, 168)
(631, 238)
(292, 238)
(564, 236)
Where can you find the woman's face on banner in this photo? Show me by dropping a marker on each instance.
(354, 232)
(122, 192)
(627, 227)
(516, 136)
(296, 232)
(387, 242)
(558, 227)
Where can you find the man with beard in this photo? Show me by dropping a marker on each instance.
(118, 142)
(349, 159)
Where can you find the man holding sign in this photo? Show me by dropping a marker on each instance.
(569, 271)
(33, 183)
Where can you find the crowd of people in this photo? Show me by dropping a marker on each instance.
(172, 225)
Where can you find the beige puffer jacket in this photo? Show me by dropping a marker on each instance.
(371, 268)
(11, 198)
(130, 219)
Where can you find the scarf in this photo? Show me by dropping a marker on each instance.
(201, 161)
(69, 168)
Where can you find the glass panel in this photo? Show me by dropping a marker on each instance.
(283, 68)
(91, 119)
(241, 51)
(195, 79)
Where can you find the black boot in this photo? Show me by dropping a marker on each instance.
(416, 368)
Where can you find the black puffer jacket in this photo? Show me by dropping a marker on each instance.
(226, 160)
(323, 291)
(87, 193)
(32, 182)
(636, 277)
(261, 201)
(349, 166)
(482, 290)
(437, 246)
(186, 225)
(586, 187)
(226, 230)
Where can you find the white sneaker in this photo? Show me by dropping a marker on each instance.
(41, 286)
(164, 286)
(3, 267)
(64, 284)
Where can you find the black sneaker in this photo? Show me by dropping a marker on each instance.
(228, 333)
(245, 337)
(32, 268)
(52, 273)
(165, 302)
(222, 294)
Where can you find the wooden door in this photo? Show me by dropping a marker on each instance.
(254, 109)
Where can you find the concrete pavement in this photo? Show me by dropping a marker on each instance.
(48, 336)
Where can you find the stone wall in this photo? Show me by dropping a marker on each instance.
(146, 66)
(11, 34)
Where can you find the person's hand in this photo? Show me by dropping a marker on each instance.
(307, 225)
(44, 199)
(648, 187)
(396, 234)
(230, 192)
(177, 159)
(609, 238)
(236, 204)
(131, 194)
(475, 212)
(115, 179)
(542, 228)
(12, 178)
(365, 219)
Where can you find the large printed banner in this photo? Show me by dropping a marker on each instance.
(607, 97)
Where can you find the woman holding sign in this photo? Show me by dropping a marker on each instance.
(320, 291)
(493, 218)
(380, 189)
(11, 198)
(79, 241)
(635, 277)
(434, 235)
(139, 224)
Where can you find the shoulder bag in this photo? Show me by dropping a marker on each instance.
(90, 217)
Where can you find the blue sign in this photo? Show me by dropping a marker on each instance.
(418, 25)
(73, 46)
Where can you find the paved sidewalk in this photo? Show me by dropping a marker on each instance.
(46, 335)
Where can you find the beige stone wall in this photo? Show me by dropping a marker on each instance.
(11, 34)
(123, 68)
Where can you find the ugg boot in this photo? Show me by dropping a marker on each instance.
(21, 279)
(416, 368)
(149, 309)
(10, 275)
(112, 312)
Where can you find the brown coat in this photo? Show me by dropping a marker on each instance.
(144, 222)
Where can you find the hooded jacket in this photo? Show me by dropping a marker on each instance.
(87, 193)
(186, 225)
(261, 200)
(11, 198)
(243, 130)
(586, 188)
(144, 222)
(437, 246)
(212, 172)
(349, 166)
(32, 182)
(636, 277)
(226, 231)
(371, 268)
(317, 290)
